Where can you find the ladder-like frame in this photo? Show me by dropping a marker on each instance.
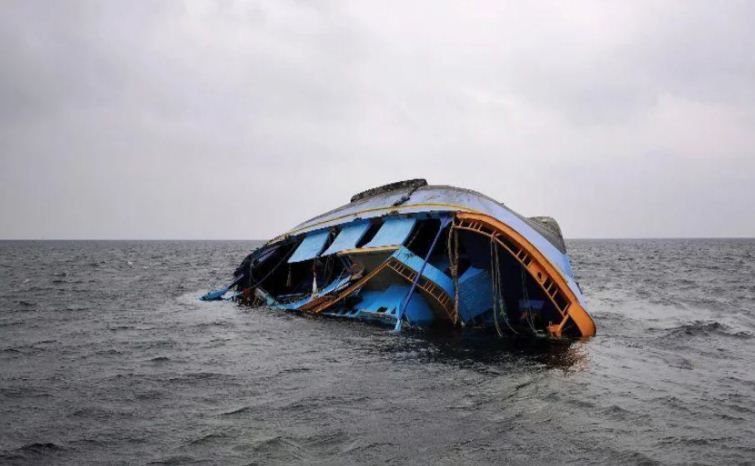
(537, 265)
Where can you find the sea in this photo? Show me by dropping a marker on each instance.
(107, 356)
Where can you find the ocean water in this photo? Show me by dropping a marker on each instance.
(108, 356)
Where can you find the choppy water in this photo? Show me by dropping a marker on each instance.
(107, 355)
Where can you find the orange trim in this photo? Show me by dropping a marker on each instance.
(540, 268)
(349, 290)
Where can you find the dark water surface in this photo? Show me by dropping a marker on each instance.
(106, 355)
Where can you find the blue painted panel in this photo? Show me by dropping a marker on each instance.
(348, 237)
(390, 299)
(392, 233)
(368, 299)
(415, 262)
(310, 247)
(475, 296)
(373, 300)
(418, 312)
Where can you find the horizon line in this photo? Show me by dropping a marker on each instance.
(262, 239)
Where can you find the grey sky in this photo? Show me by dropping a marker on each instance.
(238, 120)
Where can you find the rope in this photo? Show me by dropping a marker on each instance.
(526, 297)
(453, 261)
(499, 304)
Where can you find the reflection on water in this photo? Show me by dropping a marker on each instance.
(480, 348)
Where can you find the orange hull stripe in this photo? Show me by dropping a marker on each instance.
(546, 269)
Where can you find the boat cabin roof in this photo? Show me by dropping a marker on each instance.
(416, 196)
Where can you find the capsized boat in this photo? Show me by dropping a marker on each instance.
(419, 255)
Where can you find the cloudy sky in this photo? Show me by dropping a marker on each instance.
(240, 119)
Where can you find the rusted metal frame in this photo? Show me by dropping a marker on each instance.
(523, 258)
(314, 303)
(550, 290)
(539, 267)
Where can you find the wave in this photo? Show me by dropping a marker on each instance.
(209, 438)
(700, 328)
(242, 410)
(31, 451)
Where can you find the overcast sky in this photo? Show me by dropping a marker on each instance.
(141, 119)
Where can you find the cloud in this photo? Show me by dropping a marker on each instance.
(239, 120)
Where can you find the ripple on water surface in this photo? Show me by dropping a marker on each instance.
(108, 356)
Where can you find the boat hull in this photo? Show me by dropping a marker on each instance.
(415, 255)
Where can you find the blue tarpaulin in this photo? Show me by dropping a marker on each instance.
(348, 237)
(310, 247)
(393, 232)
